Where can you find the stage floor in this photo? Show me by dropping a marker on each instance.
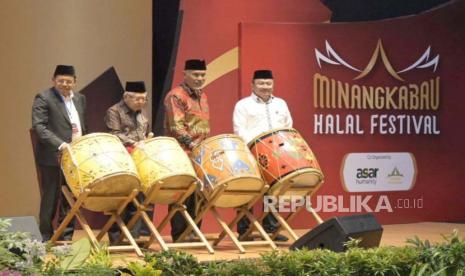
(393, 235)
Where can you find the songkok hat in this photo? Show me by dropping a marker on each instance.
(66, 70)
(262, 74)
(135, 86)
(195, 64)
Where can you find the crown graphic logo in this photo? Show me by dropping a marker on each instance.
(333, 58)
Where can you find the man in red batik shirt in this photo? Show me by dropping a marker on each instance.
(187, 120)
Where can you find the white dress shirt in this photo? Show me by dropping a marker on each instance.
(73, 116)
(252, 116)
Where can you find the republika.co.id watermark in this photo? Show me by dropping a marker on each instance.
(340, 203)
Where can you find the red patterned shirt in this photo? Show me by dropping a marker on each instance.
(187, 116)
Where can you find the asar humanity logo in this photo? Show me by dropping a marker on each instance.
(378, 171)
(333, 58)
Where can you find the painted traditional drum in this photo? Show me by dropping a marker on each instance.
(100, 163)
(226, 159)
(284, 156)
(162, 160)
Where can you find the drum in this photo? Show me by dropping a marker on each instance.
(284, 156)
(162, 159)
(225, 159)
(100, 163)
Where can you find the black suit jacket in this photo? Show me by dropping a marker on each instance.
(51, 123)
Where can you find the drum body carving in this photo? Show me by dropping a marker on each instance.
(100, 163)
(284, 156)
(162, 159)
(225, 159)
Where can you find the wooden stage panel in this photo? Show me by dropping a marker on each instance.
(393, 235)
(397, 234)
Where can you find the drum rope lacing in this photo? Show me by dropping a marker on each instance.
(276, 178)
(158, 162)
(101, 152)
(222, 152)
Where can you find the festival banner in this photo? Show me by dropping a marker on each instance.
(380, 103)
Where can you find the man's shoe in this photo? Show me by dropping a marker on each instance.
(191, 237)
(281, 238)
(145, 232)
(46, 238)
(65, 238)
(113, 238)
(248, 238)
(135, 235)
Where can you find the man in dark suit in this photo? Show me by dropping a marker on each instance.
(58, 117)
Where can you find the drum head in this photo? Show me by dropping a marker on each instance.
(115, 185)
(100, 163)
(304, 179)
(239, 191)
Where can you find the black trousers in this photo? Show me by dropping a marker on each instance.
(178, 222)
(52, 179)
(269, 223)
(139, 228)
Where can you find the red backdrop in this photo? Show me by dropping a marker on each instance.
(289, 49)
(267, 40)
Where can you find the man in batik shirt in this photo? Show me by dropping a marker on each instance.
(126, 120)
(187, 120)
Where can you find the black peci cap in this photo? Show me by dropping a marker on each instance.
(195, 64)
(65, 70)
(135, 86)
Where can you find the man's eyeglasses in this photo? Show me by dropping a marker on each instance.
(65, 81)
(138, 99)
